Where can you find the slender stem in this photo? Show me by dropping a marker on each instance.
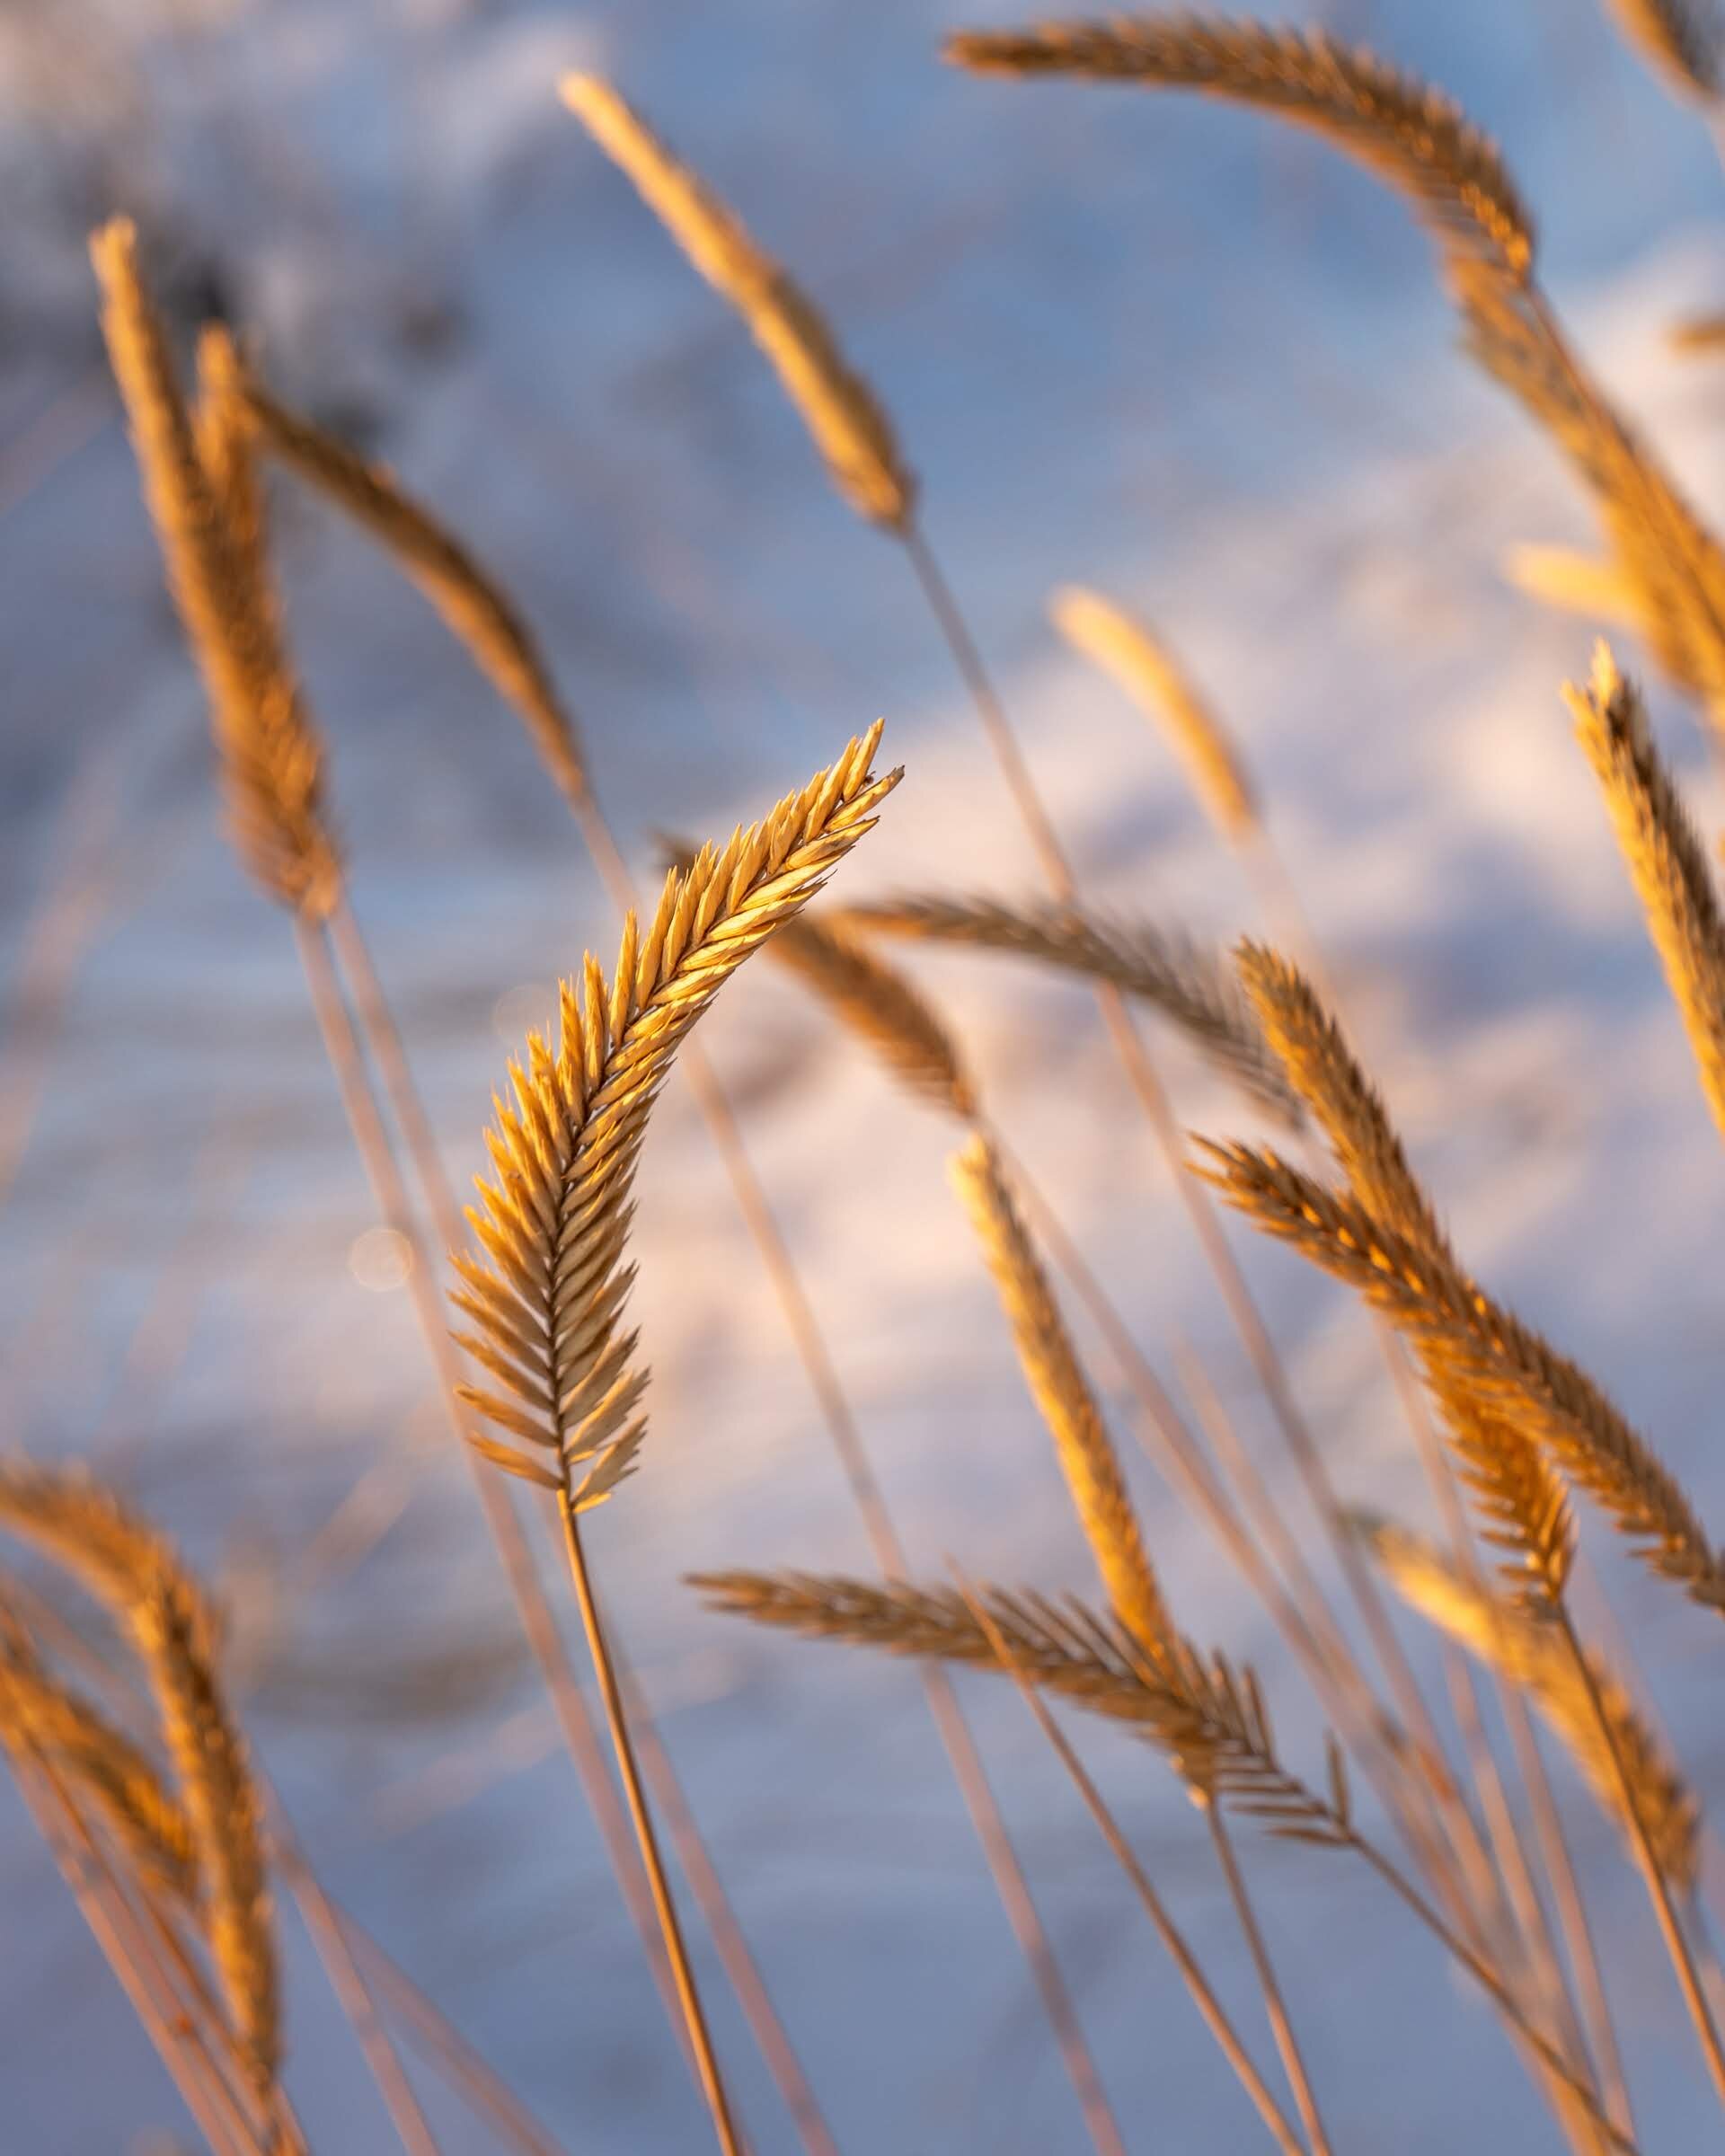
(810, 1342)
(1286, 2043)
(646, 1840)
(1659, 1886)
(353, 1993)
(1493, 1984)
(281, 2128)
(537, 1623)
(1242, 1310)
(1215, 2019)
(222, 2118)
(445, 2047)
(1600, 2042)
(1320, 1647)
(770, 2035)
(446, 2050)
(870, 1500)
(709, 1892)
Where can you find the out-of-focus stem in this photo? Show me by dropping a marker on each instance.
(1281, 2028)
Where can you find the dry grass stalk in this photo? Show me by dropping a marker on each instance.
(876, 1002)
(1489, 1356)
(1214, 2018)
(147, 1823)
(1521, 1496)
(1062, 1393)
(1667, 861)
(555, 1223)
(222, 428)
(1413, 136)
(338, 942)
(1697, 333)
(871, 999)
(1124, 647)
(271, 759)
(1185, 983)
(1206, 1720)
(1670, 563)
(228, 430)
(1317, 2138)
(874, 1015)
(1308, 1043)
(141, 1968)
(1416, 139)
(1316, 1642)
(176, 1637)
(1252, 844)
(1574, 582)
(473, 605)
(1530, 1652)
(1058, 873)
(1681, 40)
(850, 430)
(1205, 1717)
(548, 1298)
(80, 1524)
(86, 1528)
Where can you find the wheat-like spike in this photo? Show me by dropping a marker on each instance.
(1123, 647)
(271, 759)
(1667, 861)
(553, 1222)
(1061, 1392)
(1533, 1652)
(1410, 134)
(80, 1524)
(1671, 564)
(471, 602)
(1521, 1494)
(1488, 1355)
(1575, 583)
(850, 428)
(121, 1558)
(148, 1822)
(1422, 146)
(1327, 1076)
(1174, 975)
(223, 430)
(1206, 1717)
(1696, 334)
(1681, 40)
(177, 1638)
(879, 1004)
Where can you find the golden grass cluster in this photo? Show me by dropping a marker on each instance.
(162, 1821)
